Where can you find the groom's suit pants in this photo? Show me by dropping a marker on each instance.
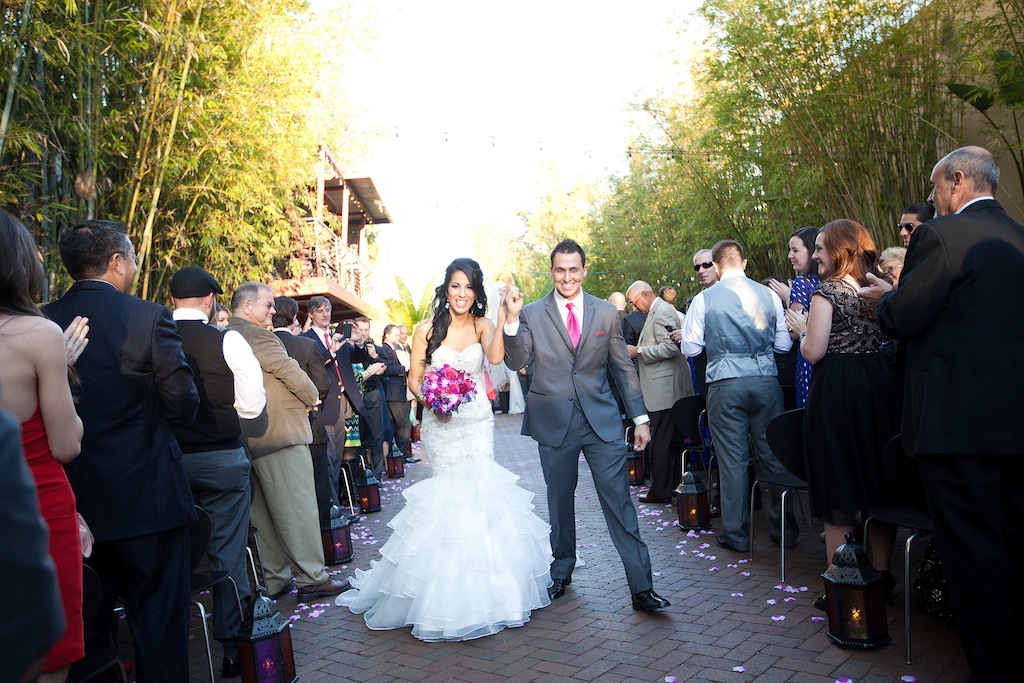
(607, 461)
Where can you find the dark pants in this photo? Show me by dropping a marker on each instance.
(152, 573)
(977, 507)
(666, 471)
(371, 429)
(220, 485)
(399, 411)
(325, 496)
(607, 461)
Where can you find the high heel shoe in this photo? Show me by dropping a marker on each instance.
(888, 585)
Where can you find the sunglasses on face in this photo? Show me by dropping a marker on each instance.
(909, 227)
(708, 264)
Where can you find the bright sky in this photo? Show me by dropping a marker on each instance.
(471, 104)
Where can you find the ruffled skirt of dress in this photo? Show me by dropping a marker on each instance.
(466, 559)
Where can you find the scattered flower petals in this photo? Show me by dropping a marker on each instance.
(711, 557)
(739, 669)
(908, 679)
(772, 601)
(294, 617)
(844, 679)
(713, 569)
(692, 534)
(778, 617)
(789, 600)
(817, 620)
(744, 573)
(732, 566)
(657, 573)
(671, 679)
(737, 595)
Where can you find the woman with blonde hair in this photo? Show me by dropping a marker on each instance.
(851, 410)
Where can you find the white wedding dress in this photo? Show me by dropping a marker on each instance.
(467, 556)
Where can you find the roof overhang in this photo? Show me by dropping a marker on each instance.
(344, 304)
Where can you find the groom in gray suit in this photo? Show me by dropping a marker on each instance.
(576, 343)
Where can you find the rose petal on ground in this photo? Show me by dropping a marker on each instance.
(737, 595)
(772, 601)
(778, 617)
(713, 569)
(744, 573)
(671, 679)
(844, 679)
(817, 620)
(739, 669)
(908, 679)
(789, 600)
(655, 573)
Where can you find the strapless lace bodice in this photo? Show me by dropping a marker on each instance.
(470, 433)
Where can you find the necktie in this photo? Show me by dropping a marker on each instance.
(572, 324)
(327, 342)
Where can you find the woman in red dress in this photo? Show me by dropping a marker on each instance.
(34, 381)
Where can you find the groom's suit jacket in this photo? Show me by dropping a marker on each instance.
(563, 374)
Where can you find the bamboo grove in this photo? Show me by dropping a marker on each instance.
(196, 122)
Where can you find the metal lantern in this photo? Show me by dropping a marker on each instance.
(395, 465)
(337, 537)
(634, 461)
(265, 645)
(856, 599)
(368, 491)
(693, 503)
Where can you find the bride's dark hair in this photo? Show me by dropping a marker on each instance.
(442, 316)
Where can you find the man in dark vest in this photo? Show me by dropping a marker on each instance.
(230, 384)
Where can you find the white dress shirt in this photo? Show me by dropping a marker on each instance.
(250, 396)
(692, 342)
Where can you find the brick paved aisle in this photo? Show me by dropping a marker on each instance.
(720, 626)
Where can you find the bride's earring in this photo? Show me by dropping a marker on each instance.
(479, 305)
(446, 305)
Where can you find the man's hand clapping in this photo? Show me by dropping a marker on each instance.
(875, 289)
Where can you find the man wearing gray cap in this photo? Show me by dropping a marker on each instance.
(230, 384)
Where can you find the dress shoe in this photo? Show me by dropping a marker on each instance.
(411, 459)
(723, 542)
(231, 667)
(715, 512)
(654, 501)
(821, 603)
(557, 587)
(648, 601)
(323, 590)
(284, 591)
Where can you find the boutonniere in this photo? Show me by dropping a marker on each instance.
(599, 334)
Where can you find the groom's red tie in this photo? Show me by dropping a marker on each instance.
(572, 324)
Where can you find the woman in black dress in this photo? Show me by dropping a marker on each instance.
(851, 404)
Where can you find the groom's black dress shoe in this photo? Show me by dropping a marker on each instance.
(649, 601)
(557, 587)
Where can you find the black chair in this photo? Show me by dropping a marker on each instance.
(99, 659)
(687, 415)
(253, 542)
(785, 434)
(902, 472)
(199, 538)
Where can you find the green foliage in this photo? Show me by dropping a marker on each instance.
(404, 310)
(196, 122)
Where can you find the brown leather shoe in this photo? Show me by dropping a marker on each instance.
(323, 590)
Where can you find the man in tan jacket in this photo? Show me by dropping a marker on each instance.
(284, 502)
(664, 379)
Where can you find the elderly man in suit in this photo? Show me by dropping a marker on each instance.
(958, 312)
(576, 344)
(129, 481)
(664, 379)
(740, 322)
(284, 499)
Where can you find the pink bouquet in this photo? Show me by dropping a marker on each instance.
(445, 389)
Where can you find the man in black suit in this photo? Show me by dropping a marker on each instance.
(395, 392)
(129, 481)
(306, 353)
(958, 312)
(344, 400)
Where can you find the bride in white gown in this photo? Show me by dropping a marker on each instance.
(467, 556)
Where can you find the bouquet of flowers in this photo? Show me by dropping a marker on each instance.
(445, 389)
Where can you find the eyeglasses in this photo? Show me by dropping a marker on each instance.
(890, 269)
(127, 255)
(633, 302)
(705, 265)
(909, 227)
